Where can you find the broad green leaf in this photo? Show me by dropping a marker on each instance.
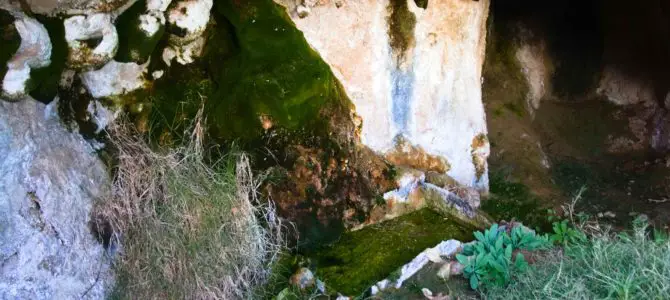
(508, 253)
(479, 236)
(462, 259)
(499, 244)
(474, 283)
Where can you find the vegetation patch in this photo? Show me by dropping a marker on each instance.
(496, 255)
(187, 229)
(627, 265)
(360, 258)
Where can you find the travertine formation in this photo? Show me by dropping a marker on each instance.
(414, 74)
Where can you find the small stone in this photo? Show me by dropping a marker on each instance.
(157, 74)
(302, 279)
(609, 214)
(114, 79)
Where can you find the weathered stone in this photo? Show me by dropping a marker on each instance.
(34, 52)
(80, 30)
(49, 179)
(189, 19)
(303, 279)
(184, 53)
(443, 249)
(411, 72)
(114, 79)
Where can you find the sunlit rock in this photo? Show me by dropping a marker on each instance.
(189, 18)
(413, 74)
(92, 40)
(114, 79)
(34, 52)
(50, 180)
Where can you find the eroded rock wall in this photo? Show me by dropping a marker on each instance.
(49, 179)
(414, 74)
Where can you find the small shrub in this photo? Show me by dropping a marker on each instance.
(564, 233)
(491, 259)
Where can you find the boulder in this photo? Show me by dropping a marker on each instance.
(49, 180)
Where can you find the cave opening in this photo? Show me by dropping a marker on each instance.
(577, 95)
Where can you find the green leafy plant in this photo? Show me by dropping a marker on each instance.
(491, 260)
(564, 233)
(522, 238)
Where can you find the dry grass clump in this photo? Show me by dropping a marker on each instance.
(187, 230)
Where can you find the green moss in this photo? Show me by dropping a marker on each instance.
(361, 258)
(456, 287)
(10, 41)
(513, 200)
(134, 45)
(257, 63)
(401, 26)
(44, 82)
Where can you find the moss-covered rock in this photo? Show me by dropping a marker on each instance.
(360, 258)
(266, 90)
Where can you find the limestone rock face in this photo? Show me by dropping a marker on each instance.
(49, 178)
(413, 74)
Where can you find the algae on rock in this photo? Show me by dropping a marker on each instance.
(360, 258)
